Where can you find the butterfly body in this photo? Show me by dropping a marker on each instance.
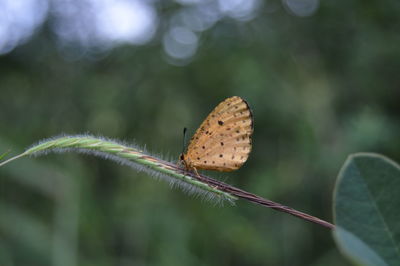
(223, 141)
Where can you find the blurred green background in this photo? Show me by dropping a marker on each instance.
(322, 79)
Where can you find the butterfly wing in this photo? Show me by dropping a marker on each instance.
(223, 140)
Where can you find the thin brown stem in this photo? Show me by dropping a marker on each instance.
(256, 199)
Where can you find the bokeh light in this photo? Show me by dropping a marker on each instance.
(105, 22)
(180, 43)
(19, 20)
(81, 26)
(239, 9)
(302, 8)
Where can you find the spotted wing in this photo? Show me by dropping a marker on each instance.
(223, 141)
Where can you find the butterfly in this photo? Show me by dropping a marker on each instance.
(223, 141)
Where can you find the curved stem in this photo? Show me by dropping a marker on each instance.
(142, 161)
(12, 159)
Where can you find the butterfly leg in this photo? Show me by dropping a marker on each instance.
(197, 174)
(191, 168)
(202, 178)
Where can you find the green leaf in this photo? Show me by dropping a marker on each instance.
(367, 210)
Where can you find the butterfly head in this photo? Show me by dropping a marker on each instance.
(182, 159)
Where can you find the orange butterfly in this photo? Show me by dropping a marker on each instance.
(223, 140)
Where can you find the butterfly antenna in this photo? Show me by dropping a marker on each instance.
(184, 139)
